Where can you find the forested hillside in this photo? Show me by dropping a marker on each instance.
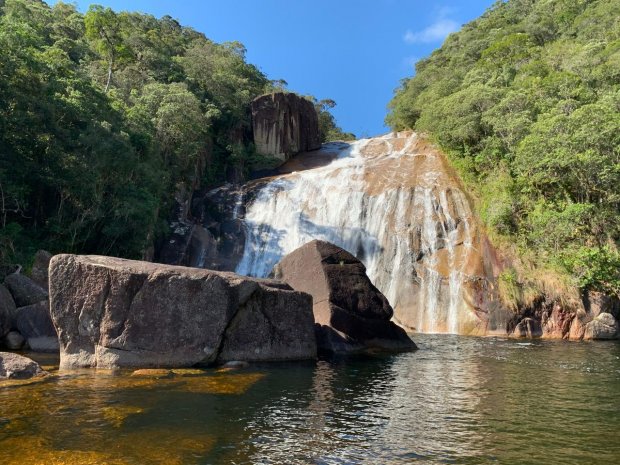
(526, 101)
(104, 116)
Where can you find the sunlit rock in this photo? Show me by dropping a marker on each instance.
(111, 312)
(14, 366)
(351, 314)
(604, 326)
(393, 202)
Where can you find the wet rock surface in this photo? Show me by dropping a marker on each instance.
(112, 312)
(350, 312)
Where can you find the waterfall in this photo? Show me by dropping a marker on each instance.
(389, 201)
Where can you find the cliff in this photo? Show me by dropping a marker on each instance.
(284, 124)
(396, 204)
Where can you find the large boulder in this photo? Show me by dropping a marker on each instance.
(24, 290)
(35, 325)
(13, 366)
(604, 326)
(7, 306)
(350, 312)
(111, 312)
(284, 124)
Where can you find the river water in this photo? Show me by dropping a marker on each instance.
(458, 400)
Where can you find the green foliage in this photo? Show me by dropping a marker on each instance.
(526, 101)
(328, 128)
(103, 117)
(597, 268)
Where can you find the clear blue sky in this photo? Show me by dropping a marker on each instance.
(352, 51)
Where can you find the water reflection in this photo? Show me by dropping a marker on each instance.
(457, 400)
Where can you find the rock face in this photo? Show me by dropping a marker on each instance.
(351, 314)
(284, 124)
(13, 366)
(393, 202)
(111, 312)
(24, 290)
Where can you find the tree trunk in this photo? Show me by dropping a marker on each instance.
(107, 85)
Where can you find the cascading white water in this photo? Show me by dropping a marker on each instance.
(392, 205)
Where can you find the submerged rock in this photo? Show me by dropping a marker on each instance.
(111, 312)
(14, 366)
(350, 312)
(154, 373)
(284, 124)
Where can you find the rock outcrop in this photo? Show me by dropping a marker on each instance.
(593, 317)
(13, 366)
(111, 312)
(351, 314)
(284, 124)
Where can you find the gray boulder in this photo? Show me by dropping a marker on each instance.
(604, 326)
(24, 290)
(13, 366)
(111, 312)
(33, 320)
(39, 272)
(7, 306)
(350, 312)
(35, 325)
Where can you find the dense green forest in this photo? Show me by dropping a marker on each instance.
(105, 115)
(526, 102)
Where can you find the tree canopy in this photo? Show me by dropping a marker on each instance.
(526, 102)
(103, 117)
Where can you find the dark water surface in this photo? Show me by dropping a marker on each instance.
(458, 400)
